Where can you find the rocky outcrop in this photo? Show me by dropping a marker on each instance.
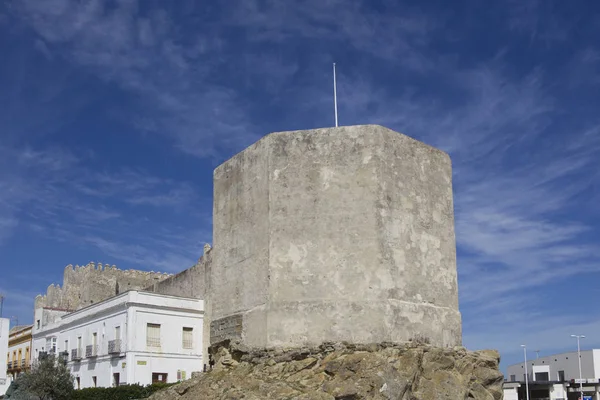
(346, 372)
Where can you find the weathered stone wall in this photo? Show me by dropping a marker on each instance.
(190, 282)
(85, 285)
(338, 234)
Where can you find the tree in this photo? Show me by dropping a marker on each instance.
(48, 379)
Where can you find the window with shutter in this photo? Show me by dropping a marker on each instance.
(188, 338)
(153, 335)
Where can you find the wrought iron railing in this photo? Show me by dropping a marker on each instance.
(91, 350)
(114, 346)
(75, 354)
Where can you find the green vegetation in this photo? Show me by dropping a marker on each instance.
(48, 379)
(123, 392)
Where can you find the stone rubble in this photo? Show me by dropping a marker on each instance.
(341, 371)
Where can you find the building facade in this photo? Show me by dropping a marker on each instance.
(135, 337)
(4, 382)
(18, 357)
(555, 377)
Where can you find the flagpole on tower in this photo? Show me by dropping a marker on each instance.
(335, 96)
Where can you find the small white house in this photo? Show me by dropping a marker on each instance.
(135, 337)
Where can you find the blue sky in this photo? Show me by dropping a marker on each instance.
(114, 114)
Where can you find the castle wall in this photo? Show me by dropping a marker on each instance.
(339, 234)
(190, 282)
(85, 285)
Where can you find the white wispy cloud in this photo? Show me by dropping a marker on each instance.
(519, 177)
(54, 193)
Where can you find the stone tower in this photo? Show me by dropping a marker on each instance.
(337, 234)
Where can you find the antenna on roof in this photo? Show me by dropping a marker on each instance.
(335, 96)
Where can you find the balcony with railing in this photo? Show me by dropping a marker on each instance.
(10, 364)
(75, 354)
(91, 350)
(114, 346)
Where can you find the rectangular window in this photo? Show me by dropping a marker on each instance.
(542, 376)
(117, 332)
(94, 339)
(53, 348)
(94, 381)
(153, 335)
(561, 376)
(37, 324)
(513, 378)
(116, 379)
(78, 383)
(66, 345)
(188, 338)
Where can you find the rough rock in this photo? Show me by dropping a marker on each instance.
(338, 371)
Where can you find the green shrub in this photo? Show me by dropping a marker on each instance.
(48, 379)
(123, 392)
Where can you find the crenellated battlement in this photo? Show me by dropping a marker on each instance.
(87, 284)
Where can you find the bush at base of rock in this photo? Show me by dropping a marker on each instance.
(123, 392)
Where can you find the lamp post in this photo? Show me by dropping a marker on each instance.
(526, 374)
(579, 359)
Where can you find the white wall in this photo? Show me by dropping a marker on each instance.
(510, 394)
(104, 365)
(596, 358)
(557, 391)
(172, 314)
(131, 311)
(4, 328)
(144, 365)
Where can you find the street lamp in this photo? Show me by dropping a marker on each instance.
(526, 374)
(579, 358)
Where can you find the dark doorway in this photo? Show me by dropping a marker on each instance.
(159, 377)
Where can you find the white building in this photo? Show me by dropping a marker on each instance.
(4, 327)
(555, 377)
(135, 337)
